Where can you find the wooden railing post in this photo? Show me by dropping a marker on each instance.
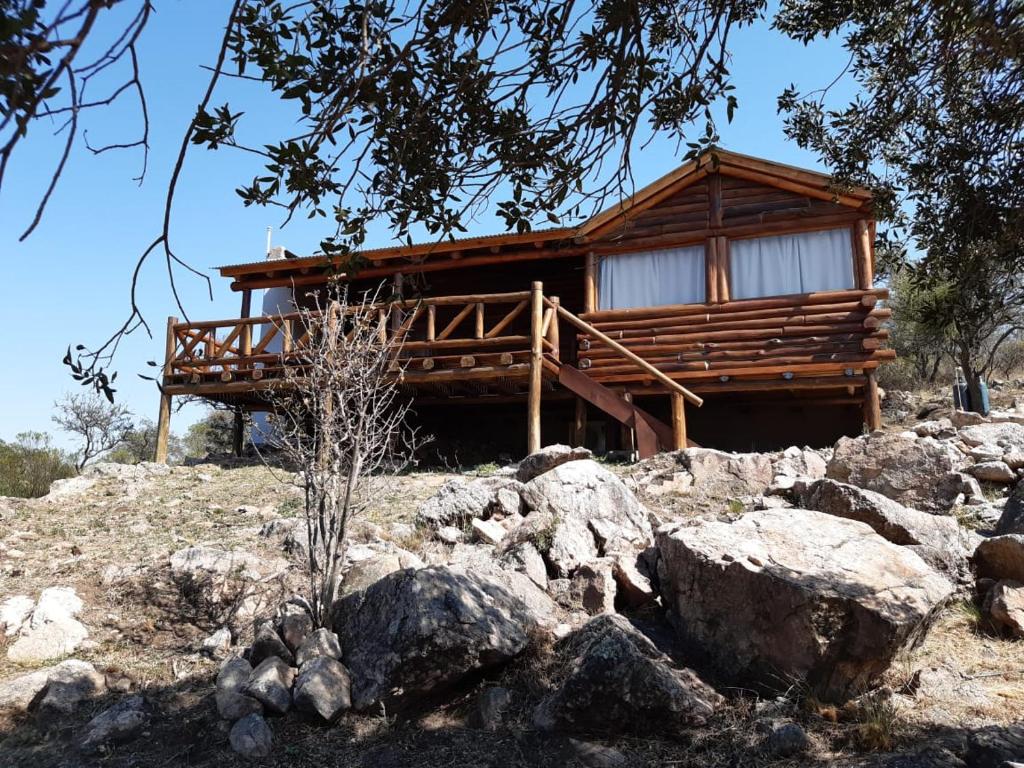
(478, 331)
(678, 422)
(553, 337)
(590, 283)
(163, 423)
(536, 362)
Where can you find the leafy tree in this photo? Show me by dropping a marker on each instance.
(100, 426)
(139, 444)
(938, 132)
(916, 342)
(30, 464)
(412, 113)
(211, 436)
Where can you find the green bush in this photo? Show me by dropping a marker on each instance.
(30, 464)
(139, 444)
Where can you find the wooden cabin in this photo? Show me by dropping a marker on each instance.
(728, 304)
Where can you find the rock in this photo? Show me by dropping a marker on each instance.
(1014, 459)
(380, 562)
(986, 453)
(993, 472)
(617, 681)
(267, 643)
(294, 626)
(19, 693)
(455, 503)
(993, 745)
(251, 737)
(962, 419)
(48, 641)
(68, 487)
(218, 644)
(525, 558)
(507, 501)
(594, 755)
(323, 687)
(449, 534)
(56, 604)
(719, 476)
(290, 533)
(799, 462)
(785, 740)
(783, 595)
(1012, 518)
(889, 519)
(918, 473)
(271, 684)
(232, 703)
(1001, 558)
(14, 613)
(632, 586)
(593, 586)
(419, 632)
(479, 559)
(939, 428)
(572, 495)
(321, 642)
(548, 458)
(1007, 435)
(488, 711)
(69, 685)
(119, 723)
(1004, 605)
(487, 531)
(221, 576)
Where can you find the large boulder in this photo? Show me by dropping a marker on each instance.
(460, 501)
(1004, 606)
(323, 687)
(783, 595)
(1001, 557)
(616, 680)
(705, 477)
(579, 499)
(20, 693)
(548, 458)
(1012, 518)
(417, 632)
(1008, 436)
(938, 539)
(921, 473)
(369, 563)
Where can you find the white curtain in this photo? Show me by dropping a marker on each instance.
(802, 263)
(652, 278)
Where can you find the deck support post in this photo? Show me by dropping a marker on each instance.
(163, 422)
(678, 422)
(536, 366)
(238, 433)
(627, 434)
(579, 424)
(872, 409)
(590, 283)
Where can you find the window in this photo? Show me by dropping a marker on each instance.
(652, 278)
(801, 263)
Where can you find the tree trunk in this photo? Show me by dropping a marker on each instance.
(974, 378)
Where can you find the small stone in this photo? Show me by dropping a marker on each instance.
(487, 531)
(489, 710)
(271, 684)
(1004, 605)
(593, 586)
(449, 534)
(322, 642)
(233, 706)
(786, 740)
(121, 722)
(233, 675)
(507, 502)
(295, 626)
(993, 472)
(323, 686)
(268, 643)
(218, 644)
(251, 737)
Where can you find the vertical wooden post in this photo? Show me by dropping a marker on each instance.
(711, 270)
(678, 422)
(478, 331)
(579, 423)
(590, 283)
(247, 302)
(431, 322)
(163, 423)
(872, 408)
(536, 363)
(863, 239)
(396, 313)
(715, 199)
(626, 434)
(553, 334)
(722, 250)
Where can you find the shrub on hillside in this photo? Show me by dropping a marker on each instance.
(30, 463)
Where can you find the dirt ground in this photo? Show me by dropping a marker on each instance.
(960, 679)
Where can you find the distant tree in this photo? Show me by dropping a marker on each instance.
(99, 425)
(30, 464)
(213, 435)
(938, 132)
(139, 445)
(916, 342)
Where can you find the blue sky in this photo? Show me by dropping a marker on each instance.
(68, 283)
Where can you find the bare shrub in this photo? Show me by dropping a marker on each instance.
(340, 421)
(100, 426)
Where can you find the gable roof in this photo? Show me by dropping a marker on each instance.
(571, 239)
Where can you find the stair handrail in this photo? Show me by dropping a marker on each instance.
(585, 327)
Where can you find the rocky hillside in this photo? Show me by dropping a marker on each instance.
(857, 606)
